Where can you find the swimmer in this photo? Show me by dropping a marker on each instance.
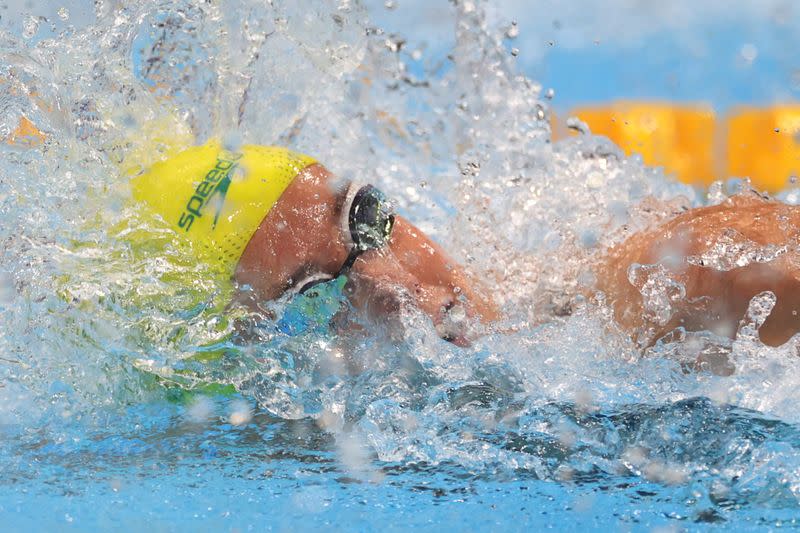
(278, 222)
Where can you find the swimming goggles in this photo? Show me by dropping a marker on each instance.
(367, 221)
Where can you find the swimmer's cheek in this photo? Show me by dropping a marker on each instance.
(377, 300)
(385, 300)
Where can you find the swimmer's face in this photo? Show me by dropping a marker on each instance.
(302, 236)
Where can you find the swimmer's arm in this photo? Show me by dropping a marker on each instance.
(714, 299)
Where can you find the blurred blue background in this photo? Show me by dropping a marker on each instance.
(723, 52)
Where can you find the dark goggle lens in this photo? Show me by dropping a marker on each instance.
(371, 219)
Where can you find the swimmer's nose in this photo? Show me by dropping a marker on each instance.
(448, 315)
(379, 282)
(435, 300)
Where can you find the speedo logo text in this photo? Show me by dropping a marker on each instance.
(212, 189)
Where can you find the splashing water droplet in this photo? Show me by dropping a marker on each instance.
(596, 179)
(733, 250)
(659, 291)
(200, 410)
(30, 26)
(576, 124)
(748, 53)
(757, 313)
(7, 291)
(512, 32)
(240, 413)
(394, 43)
(716, 193)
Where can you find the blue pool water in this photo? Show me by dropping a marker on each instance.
(128, 403)
(168, 473)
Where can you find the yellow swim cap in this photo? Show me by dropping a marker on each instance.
(215, 199)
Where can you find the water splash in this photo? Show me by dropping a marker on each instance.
(461, 139)
(732, 250)
(659, 291)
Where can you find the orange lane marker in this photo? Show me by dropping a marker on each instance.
(679, 138)
(764, 145)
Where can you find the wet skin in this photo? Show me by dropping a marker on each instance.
(715, 299)
(302, 235)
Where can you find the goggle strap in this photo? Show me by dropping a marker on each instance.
(343, 271)
(348, 263)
